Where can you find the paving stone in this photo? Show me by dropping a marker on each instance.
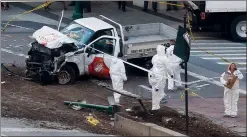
(239, 129)
(229, 125)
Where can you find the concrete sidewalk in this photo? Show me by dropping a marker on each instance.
(213, 108)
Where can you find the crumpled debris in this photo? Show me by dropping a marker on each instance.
(128, 109)
(166, 120)
(112, 119)
(77, 107)
(2, 82)
(93, 121)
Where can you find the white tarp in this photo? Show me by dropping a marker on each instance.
(51, 38)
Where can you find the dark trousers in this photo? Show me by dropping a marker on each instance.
(121, 5)
(172, 7)
(88, 6)
(84, 5)
(154, 6)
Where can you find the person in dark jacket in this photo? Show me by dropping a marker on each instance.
(154, 6)
(171, 7)
(72, 3)
(5, 5)
(88, 6)
(84, 5)
(121, 5)
(64, 6)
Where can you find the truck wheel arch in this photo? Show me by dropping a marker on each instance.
(69, 72)
(75, 67)
(233, 26)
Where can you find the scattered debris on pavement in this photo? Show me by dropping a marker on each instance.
(92, 120)
(45, 103)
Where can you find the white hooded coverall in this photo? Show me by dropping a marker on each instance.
(118, 75)
(158, 81)
(174, 62)
(231, 96)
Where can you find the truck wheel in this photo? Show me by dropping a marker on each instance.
(66, 75)
(238, 28)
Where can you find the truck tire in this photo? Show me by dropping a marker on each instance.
(66, 75)
(45, 78)
(238, 28)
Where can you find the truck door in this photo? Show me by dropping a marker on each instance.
(97, 63)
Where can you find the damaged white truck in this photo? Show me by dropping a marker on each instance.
(64, 55)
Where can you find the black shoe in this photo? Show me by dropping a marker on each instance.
(168, 9)
(145, 10)
(124, 10)
(155, 11)
(47, 8)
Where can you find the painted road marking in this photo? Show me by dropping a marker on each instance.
(216, 41)
(34, 130)
(14, 53)
(203, 85)
(205, 55)
(242, 68)
(18, 26)
(220, 47)
(218, 51)
(210, 81)
(227, 63)
(230, 58)
(235, 44)
(145, 87)
(206, 79)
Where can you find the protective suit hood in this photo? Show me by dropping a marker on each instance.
(114, 60)
(160, 50)
(228, 68)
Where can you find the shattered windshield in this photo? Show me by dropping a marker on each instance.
(78, 33)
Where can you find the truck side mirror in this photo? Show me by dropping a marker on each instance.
(88, 51)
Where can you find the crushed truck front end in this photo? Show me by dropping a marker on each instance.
(43, 63)
(49, 51)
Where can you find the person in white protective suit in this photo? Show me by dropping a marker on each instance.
(174, 63)
(118, 76)
(159, 76)
(231, 96)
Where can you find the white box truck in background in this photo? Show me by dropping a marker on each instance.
(225, 16)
